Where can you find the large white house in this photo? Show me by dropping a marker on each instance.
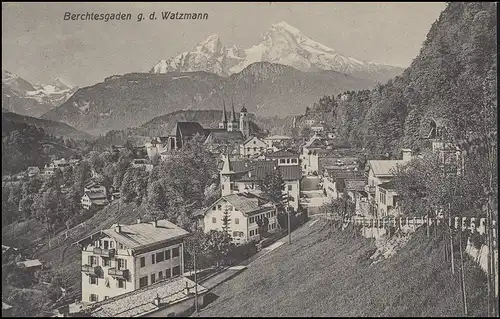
(253, 146)
(124, 258)
(243, 210)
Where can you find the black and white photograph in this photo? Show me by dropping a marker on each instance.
(249, 159)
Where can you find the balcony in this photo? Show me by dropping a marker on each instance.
(104, 252)
(90, 270)
(120, 273)
(370, 189)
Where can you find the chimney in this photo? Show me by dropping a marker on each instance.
(406, 154)
(118, 228)
(157, 300)
(139, 220)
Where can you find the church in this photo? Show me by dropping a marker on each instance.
(231, 132)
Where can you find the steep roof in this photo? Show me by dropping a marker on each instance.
(144, 234)
(96, 195)
(256, 170)
(188, 129)
(220, 136)
(30, 263)
(384, 167)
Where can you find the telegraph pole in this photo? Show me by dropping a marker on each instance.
(288, 209)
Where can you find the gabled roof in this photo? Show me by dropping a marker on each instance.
(188, 129)
(95, 195)
(30, 263)
(220, 136)
(384, 167)
(256, 170)
(246, 202)
(251, 138)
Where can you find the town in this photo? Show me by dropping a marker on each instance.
(281, 178)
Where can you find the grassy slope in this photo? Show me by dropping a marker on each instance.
(66, 258)
(325, 273)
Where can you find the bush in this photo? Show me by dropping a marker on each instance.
(54, 293)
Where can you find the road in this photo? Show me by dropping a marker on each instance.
(312, 196)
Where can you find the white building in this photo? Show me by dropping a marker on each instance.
(94, 187)
(125, 258)
(243, 210)
(94, 198)
(239, 176)
(280, 140)
(253, 146)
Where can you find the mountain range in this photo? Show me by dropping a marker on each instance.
(22, 97)
(266, 89)
(281, 44)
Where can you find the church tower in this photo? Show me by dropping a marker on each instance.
(223, 123)
(244, 122)
(226, 175)
(233, 125)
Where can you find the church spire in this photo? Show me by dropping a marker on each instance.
(233, 116)
(224, 115)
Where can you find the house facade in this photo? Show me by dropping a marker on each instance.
(240, 176)
(253, 146)
(125, 258)
(94, 199)
(243, 210)
(387, 199)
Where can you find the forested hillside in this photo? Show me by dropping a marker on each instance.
(451, 79)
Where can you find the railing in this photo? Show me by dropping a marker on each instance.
(104, 252)
(89, 270)
(122, 273)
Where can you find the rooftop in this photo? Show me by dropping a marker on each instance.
(30, 263)
(247, 202)
(282, 153)
(278, 137)
(96, 195)
(140, 302)
(384, 167)
(221, 135)
(143, 234)
(387, 185)
(256, 170)
(188, 129)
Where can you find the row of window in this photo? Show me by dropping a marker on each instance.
(176, 271)
(161, 256)
(382, 198)
(254, 219)
(120, 283)
(255, 149)
(256, 231)
(236, 221)
(106, 262)
(288, 161)
(107, 244)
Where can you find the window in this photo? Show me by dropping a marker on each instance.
(251, 233)
(176, 271)
(294, 161)
(153, 278)
(106, 262)
(120, 283)
(120, 246)
(236, 221)
(106, 244)
(167, 254)
(288, 161)
(214, 207)
(254, 142)
(175, 252)
(160, 257)
(222, 186)
(236, 233)
(143, 282)
(160, 275)
(106, 297)
(167, 273)
(255, 149)
(214, 220)
(267, 215)
(219, 207)
(143, 262)
(153, 259)
(94, 298)
(121, 263)
(93, 280)
(282, 161)
(230, 208)
(93, 261)
(111, 244)
(252, 219)
(290, 187)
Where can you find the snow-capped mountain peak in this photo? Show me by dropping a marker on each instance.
(281, 44)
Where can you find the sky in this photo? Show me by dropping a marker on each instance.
(39, 45)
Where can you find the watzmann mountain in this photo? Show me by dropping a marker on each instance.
(282, 44)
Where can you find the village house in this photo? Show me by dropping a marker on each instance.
(156, 146)
(94, 199)
(125, 258)
(93, 186)
(253, 146)
(277, 142)
(31, 265)
(243, 210)
(334, 181)
(387, 199)
(382, 171)
(318, 147)
(320, 127)
(242, 175)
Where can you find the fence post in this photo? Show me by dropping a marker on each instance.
(482, 226)
(472, 224)
(414, 223)
(456, 222)
(427, 223)
(400, 223)
(464, 223)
